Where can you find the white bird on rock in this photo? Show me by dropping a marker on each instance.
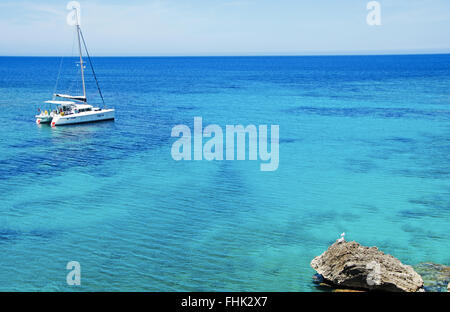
(342, 239)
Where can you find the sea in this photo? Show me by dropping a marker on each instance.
(364, 148)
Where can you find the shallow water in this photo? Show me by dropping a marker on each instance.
(364, 148)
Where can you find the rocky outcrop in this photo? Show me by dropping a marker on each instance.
(436, 277)
(351, 265)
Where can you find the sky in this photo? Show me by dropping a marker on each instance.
(225, 27)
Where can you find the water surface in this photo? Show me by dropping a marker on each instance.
(364, 149)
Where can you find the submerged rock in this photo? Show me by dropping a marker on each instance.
(351, 265)
(436, 277)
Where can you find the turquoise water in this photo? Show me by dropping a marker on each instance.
(364, 149)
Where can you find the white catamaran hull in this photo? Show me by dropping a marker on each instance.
(43, 119)
(92, 116)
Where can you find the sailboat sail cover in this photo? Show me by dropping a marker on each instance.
(72, 97)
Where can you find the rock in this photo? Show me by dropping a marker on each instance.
(317, 279)
(348, 290)
(325, 285)
(436, 277)
(351, 265)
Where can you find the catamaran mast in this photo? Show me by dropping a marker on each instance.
(81, 54)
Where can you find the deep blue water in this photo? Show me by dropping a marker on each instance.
(364, 148)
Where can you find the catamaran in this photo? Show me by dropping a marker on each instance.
(74, 109)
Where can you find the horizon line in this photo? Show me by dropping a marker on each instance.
(400, 53)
